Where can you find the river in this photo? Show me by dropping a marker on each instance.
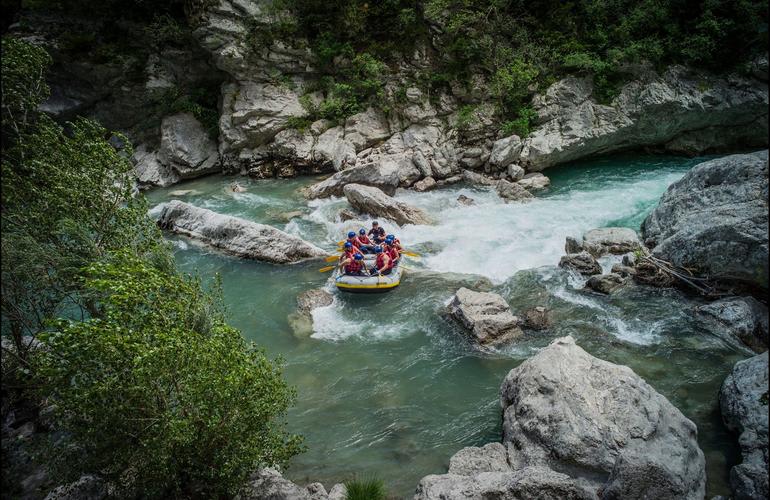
(387, 387)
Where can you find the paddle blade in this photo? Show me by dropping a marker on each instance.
(325, 269)
(332, 258)
(411, 254)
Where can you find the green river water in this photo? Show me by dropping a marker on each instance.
(388, 387)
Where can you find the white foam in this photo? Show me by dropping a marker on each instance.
(332, 323)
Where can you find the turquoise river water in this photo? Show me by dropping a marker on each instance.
(388, 387)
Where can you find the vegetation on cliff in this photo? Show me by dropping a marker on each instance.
(150, 386)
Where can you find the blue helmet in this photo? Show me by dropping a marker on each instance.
(358, 256)
(390, 237)
(362, 231)
(378, 249)
(351, 234)
(348, 245)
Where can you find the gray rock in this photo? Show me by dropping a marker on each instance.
(382, 176)
(426, 184)
(477, 179)
(486, 316)
(582, 262)
(743, 400)
(600, 423)
(372, 200)
(312, 299)
(150, 171)
(465, 200)
(186, 147)
(624, 271)
(714, 220)
(534, 181)
(86, 488)
(610, 240)
(515, 172)
(744, 318)
(475, 460)
(537, 318)
(235, 236)
(528, 483)
(366, 129)
(338, 492)
(346, 214)
(511, 191)
(605, 283)
(269, 484)
(572, 245)
(679, 110)
(505, 151)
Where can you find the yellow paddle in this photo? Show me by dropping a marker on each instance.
(325, 269)
(332, 258)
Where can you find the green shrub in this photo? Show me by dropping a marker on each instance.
(156, 393)
(466, 115)
(369, 488)
(520, 126)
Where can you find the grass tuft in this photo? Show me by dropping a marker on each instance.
(366, 488)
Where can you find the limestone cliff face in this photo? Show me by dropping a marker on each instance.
(679, 110)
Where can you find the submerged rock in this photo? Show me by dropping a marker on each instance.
(312, 299)
(537, 318)
(714, 220)
(486, 316)
(465, 200)
(373, 201)
(605, 283)
(601, 423)
(744, 318)
(582, 262)
(743, 400)
(236, 236)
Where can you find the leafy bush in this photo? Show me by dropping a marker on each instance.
(521, 126)
(157, 393)
(465, 117)
(369, 488)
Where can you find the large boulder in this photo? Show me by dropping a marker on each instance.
(582, 262)
(382, 176)
(742, 318)
(678, 110)
(605, 283)
(485, 315)
(743, 400)
(372, 200)
(714, 220)
(505, 151)
(235, 236)
(149, 170)
(186, 147)
(601, 423)
(534, 181)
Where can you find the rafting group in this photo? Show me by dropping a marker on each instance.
(369, 261)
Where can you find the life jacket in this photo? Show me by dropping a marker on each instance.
(392, 252)
(363, 240)
(380, 262)
(354, 266)
(348, 254)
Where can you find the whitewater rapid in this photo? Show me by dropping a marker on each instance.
(495, 239)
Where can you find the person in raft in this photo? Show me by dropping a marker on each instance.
(383, 264)
(353, 240)
(354, 266)
(393, 247)
(363, 242)
(377, 233)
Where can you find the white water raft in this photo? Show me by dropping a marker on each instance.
(368, 284)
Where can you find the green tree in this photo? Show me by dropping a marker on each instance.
(157, 393)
